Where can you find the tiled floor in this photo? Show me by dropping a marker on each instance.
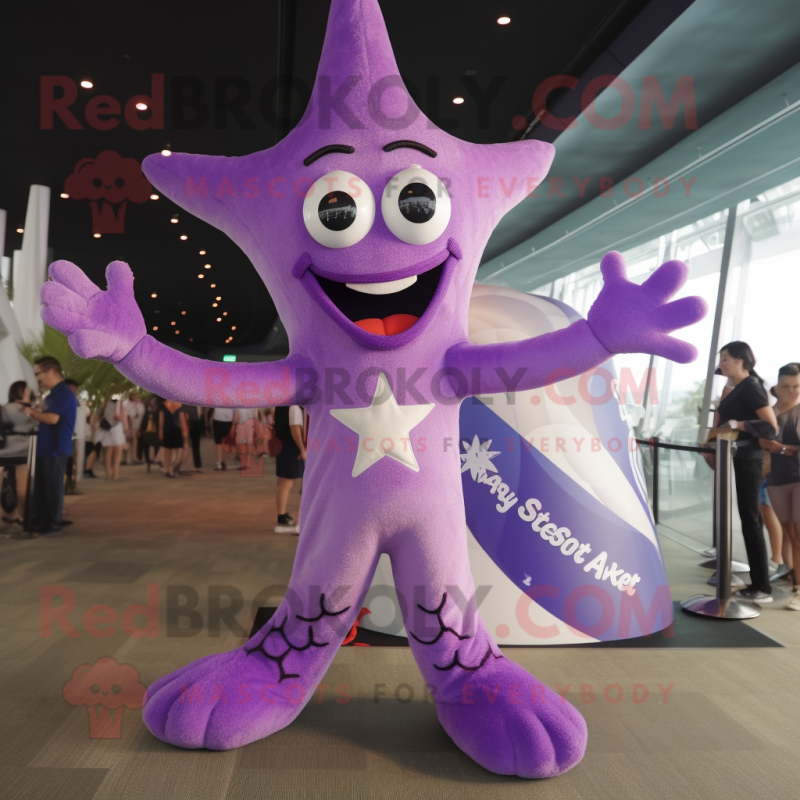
(728, 726)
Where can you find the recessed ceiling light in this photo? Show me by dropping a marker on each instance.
(219, 319)
(154, 197)
(154, 295)
(213, 285)
(177, 333)
(458, 101)
(201, 276)
(141, 106)
(233, 328)
(202, 252)
(155, 327)
(64, 196)
(174, 220)
(183, 313)
(173, 323)
(87, 85)
(214, 305)
(166, 152)
(208, 266)
(184, 237)
(20, 230)
(218, 299)
(224, 313)
(97, 235)
(504, 20)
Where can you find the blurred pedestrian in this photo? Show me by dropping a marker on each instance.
(17, 427)
(173, 431)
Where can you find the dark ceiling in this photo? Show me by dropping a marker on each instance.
(453, 48)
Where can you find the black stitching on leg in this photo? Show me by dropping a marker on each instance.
(280, 629)
(323, 613)
(456, 662)
(443, 628)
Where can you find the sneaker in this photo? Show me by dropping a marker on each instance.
(754, 595)
(219, 466)
(781, 573)
(794, 603)
(286, 524)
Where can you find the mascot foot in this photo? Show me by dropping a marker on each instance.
(225, 701)
(510, 723)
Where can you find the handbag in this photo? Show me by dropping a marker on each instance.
(105, 424)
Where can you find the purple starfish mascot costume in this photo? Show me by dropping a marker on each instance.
(367, 224)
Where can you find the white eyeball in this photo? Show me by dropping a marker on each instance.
(339, 210)
(416, 206)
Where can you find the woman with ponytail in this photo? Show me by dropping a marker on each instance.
(746, 408)
(783, 482)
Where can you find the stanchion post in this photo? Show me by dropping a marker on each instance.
(722, 605)
(654, 445)
(722, 521)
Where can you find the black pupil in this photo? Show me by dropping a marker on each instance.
(417, 202)
(119, 183)
(97, 183)
(337, 211)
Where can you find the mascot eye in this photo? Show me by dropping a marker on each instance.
(119, 183)
(416, 206)
(97, 183)
(94, 688)
(339, 210)
(116, 688)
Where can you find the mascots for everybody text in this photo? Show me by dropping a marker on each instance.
(367, 224)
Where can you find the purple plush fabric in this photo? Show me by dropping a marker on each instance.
(382, 477)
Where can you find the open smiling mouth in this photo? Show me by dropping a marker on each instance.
(382, 310)
(388, 308)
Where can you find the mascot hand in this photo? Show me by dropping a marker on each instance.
(103, 325)
(627, 318)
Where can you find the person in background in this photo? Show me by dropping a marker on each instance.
(18, 428)
(56, 418)
(290, 462)
(112, 435)
(746, 409)
(148, 430)
(173, 431)
(783, 483)
(197, 429)
(245, 435)
(134, 411)
(222, 420)
(93, 446)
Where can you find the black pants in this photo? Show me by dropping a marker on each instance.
(747, 472)
(196, 430)
(48, 491)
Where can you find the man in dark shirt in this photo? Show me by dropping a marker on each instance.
(56, 424)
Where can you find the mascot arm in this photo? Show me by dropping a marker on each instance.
(108, 326)
(625, 318)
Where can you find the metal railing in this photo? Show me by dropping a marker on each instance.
(721, 605)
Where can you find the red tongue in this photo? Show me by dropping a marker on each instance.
(390, 326)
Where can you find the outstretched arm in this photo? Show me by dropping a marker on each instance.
(625, 318)
(109, 326)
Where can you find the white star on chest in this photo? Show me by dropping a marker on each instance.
(383, 428)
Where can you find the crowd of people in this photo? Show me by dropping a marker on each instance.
(166, 435)
(162, 434)
(766, 467)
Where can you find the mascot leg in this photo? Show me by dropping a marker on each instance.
(491, 707)
(224, 701)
